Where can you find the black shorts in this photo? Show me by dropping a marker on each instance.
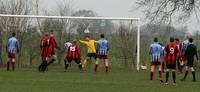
(190, 63)
(91, 55)
(76, 60)
(171, 66)
(155, 63)
(102, 56)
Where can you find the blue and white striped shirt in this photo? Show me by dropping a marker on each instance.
(156, 52)
(12, 45)
(102, 47)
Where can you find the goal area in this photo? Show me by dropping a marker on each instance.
(123, 33)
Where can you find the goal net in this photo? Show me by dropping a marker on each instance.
(123, 35)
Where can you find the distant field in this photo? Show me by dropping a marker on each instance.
(117, 80)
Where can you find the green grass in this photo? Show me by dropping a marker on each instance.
(117, 80)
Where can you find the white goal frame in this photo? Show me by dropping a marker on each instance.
(88, 18)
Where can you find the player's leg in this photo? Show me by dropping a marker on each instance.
(8, 64)
(52, 59)
(96, 64)
(174, 76)
(13, 64)
(167, 76)
(186, 73)
(68, 61)
(65, 63)
(159, 67)
(193, 74)
(106, 64)
(78, 61)
(152, 66)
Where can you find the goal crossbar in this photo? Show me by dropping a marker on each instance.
(88, 18)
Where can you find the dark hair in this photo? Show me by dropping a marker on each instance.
(190, 40)
(102, 35)
(171, 39)
(177, 39)
(155, 39)
(13, 34)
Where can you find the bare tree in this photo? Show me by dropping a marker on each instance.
(164, 11)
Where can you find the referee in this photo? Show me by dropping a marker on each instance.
(191, 51)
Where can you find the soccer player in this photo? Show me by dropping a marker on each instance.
(179, 46)
(50, 49)
(67, 44)
(91, 50)
(12, 48)
(155, 50)
(190, 52)
(43, 52)
(171, 51)
(73, 53)
(102, 52)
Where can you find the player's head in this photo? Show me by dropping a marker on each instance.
(102, 36)
(171, 39)
(74, 41)
(46, 33)
(190, 40)
(155, 39)
(13, 34)
(87, 38)
(51, 33)
(176, 40)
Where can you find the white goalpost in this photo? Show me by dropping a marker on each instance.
(88, 18)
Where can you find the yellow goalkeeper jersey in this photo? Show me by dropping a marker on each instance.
(90, 45)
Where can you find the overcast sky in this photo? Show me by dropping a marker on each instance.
(116, 8)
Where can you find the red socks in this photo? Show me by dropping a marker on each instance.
(106, 68)
(96, 67)
(13, 66)
(151, 75)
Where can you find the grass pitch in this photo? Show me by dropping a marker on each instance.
(117, 80)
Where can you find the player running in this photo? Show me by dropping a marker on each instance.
(190, 52)
(73, 53)
(43, 52)
(102, 52)
(12, 48)
(171, 51)
(91, 50)
(51, 57)
(156, 52)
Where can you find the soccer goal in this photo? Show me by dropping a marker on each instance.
(123, 33)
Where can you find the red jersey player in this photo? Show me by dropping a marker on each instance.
(50, 49)
(171, 51)
(43, 52)
(73, 53)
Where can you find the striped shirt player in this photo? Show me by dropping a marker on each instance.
(183, 50)
(102, 49)
(67, 45)
(73, 53)
(12, 48)
(171, 51)
(156, 52)
(102, 52)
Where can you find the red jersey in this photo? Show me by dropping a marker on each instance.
(43, 48)
(51, 45)
(171, 51)
(73, 52)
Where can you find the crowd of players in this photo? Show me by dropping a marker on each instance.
(172, 56)
(96, 49)
(165, 58)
